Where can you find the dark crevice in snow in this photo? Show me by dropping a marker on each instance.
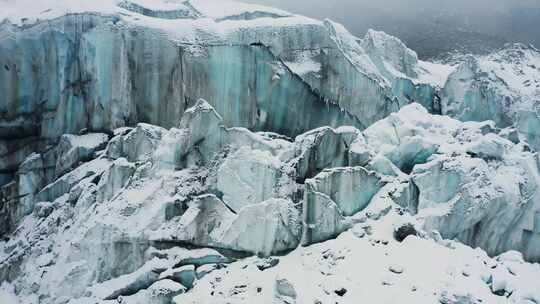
(231, 255)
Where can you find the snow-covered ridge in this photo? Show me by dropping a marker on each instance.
(518, 66)
(29, 12)
(204, 15)
(503, 86)
(182, 12)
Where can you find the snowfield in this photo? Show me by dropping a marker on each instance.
(368, 264)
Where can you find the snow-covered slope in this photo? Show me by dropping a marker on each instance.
(503, 86)
(149, 215)
(367, 264)
(149, 149)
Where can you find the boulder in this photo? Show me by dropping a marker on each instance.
(284, 291)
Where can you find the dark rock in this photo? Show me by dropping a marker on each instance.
(404, 231)
(340, 292)
(264, 264)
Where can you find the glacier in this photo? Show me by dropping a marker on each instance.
(107, 69)
(209, 151)
(503, 87)
(118, 220)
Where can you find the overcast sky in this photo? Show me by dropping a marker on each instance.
(463, 21)
(348, 8)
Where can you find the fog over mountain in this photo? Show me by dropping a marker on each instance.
(432, 28)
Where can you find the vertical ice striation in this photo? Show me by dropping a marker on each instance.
(102, 70)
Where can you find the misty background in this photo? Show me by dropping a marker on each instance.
(433, 28)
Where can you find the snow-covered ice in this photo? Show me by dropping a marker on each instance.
(209, 151)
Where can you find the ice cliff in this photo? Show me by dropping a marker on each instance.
(154, 206)
(503, 87)
(68, 67)
(149, 150)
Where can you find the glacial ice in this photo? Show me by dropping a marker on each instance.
(323, 219)
(244, 198)
(161, 292)
(136, 145)
(73, 150)
(114, 179)
(503, 87)
(207, 136)
(323, 148)
(351, 188)
(249, 177)
(272, 226)
(184, 275)
(205, 222)
(124, 66)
